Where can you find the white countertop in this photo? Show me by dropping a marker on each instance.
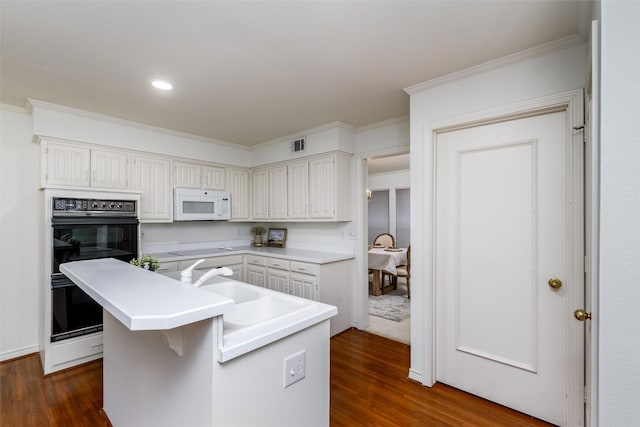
(293, 254)
(141, 299)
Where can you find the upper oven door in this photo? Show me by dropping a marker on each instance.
(82, 238)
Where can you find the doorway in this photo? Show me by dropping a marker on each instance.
(389, 315)
(425, 364)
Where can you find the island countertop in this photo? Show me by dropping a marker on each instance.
(141, 299)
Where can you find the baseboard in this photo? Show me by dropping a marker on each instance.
(415, 375)
(8, 355)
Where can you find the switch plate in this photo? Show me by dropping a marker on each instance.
(295, 367)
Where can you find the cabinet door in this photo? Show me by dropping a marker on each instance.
(322, 187)
(278, 193)
(238, 186)
(109, 169)
(278, 280)
(257, 275)
(66, 165)
(260, 193)
(187, 175)
(298, 190)
(152, 176)
(304, 286)
(214, 178)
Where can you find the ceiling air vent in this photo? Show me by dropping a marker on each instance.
(298, 145)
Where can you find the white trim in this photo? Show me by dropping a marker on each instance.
(382, 124)
(13, 354)
(497, 63)
(592, 228)
(571, 102)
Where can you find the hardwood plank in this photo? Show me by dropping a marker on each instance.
(369, 387)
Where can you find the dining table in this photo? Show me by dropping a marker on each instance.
(384, 259)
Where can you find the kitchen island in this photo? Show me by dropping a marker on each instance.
(225, 354)
(324, 274)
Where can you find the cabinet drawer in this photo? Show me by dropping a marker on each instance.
(256, 260)
(75, 349)
(280, 264)
(168, 266)
(213, 262)
(305, 268)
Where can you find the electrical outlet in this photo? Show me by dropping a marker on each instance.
(295, 367)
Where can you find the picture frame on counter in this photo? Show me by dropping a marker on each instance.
(277, 237)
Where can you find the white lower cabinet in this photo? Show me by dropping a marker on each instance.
(304, 286)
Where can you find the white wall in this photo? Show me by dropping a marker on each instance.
(516, 79)
(76, 125)
(19, 235)
(390, 181)
(619, 334)
(331, 137)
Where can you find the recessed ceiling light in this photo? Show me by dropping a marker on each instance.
(162, 85)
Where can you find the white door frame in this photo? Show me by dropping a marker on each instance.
(424, 296)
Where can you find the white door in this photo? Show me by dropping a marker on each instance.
(501, 234)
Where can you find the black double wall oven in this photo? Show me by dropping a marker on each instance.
(86, 229)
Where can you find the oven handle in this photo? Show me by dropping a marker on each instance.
(89, 220)
(60, 281)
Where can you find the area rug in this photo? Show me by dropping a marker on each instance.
(393, 305)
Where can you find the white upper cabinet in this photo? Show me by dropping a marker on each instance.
(238, 187)
(213, 178)
(260, 194)
(278, 193)
(269, 193)
(298, 190)
(69, 164)
(330, 187)
(152, 176)
(109, 168)
(314, 189)
(196, 175)
(65, 165)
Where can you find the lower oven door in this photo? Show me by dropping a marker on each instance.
(73, 312)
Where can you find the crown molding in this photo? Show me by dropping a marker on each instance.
(383, 123)
(533, 52)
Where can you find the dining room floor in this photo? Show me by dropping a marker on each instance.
(397, 331)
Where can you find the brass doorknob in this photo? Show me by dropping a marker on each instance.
(581, 315)
(555, 283)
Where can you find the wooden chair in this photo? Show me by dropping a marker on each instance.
(385, 239)
(405, 271)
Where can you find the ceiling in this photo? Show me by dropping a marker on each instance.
(249, 72)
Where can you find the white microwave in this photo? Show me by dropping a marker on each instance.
(191, 204)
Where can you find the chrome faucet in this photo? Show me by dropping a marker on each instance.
(222, 271)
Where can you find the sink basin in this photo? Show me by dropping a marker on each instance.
(234, 290)
(262, 309)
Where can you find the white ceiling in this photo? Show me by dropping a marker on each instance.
(248, 72)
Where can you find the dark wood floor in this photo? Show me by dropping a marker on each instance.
(369, 386)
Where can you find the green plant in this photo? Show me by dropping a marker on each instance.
(257, 229)
(147, 262)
